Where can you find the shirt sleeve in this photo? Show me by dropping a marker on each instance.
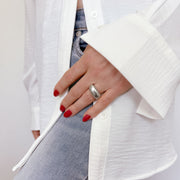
(145, 48)
(30, 79)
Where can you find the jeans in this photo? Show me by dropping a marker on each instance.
(64, 152)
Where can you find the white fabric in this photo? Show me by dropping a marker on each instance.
(30, 78)
(131, 138)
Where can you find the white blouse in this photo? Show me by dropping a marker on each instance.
(131, 138)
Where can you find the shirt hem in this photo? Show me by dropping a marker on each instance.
(158, 170)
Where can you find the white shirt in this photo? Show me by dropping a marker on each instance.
(131, 138)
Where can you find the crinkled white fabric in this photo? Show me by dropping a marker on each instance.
(131, 138)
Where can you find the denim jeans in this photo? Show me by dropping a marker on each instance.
(64, 152)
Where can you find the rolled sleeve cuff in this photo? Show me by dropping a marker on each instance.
(136, 48)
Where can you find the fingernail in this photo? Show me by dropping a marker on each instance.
(62, 108)
(86, 117)
(67, 113)
(56, 92)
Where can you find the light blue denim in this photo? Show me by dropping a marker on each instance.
(63, 153)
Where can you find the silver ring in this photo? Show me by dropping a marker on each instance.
(94, 92)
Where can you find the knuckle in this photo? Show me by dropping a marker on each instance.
(97, 71)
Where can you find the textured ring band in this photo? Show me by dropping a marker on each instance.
(94, 91)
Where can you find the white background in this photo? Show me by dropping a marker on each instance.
(15, 134)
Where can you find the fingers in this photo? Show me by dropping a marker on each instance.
(70, 76)
(76, 91)
(80, 104)
(106, 98)
(84, 100)
(100, 105)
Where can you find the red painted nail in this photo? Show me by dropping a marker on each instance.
(56, 92)
(67, 113)
(62, 108)
(86, 117)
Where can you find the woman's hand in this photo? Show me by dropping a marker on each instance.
(92, 68)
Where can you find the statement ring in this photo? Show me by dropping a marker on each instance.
(95, 93)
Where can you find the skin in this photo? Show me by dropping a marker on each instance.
(36, 134)
(93, 68)
(79, 4)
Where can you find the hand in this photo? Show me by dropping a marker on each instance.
(36, 134)
(92, 68)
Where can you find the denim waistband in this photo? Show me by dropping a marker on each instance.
(80, 21)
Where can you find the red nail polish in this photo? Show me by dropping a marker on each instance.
(67, 113)
(62, 108)
(56, 92)
(86, 117)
